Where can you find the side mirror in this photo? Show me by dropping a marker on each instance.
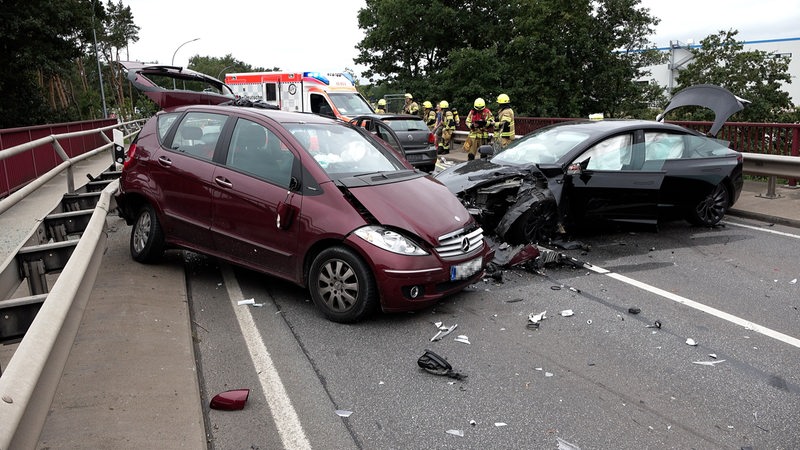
(487, 150)
(230, 400)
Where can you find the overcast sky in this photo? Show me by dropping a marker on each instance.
(321, 35)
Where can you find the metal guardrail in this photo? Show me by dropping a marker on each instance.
(29, 383)
(67, 163)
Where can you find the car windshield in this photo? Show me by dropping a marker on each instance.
(350, 103)
(406, 124)
(547, 145)
(342, 151)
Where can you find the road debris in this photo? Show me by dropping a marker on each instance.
(514, 300)
(459, 433)
(567, 313)
(634, 310)
(708, 363)
(500, 424)
(473, 423)
(249, 301)
(343, 413)
(794, 281)
(437, 365)
(231, 400)
(462, 338)
(656, 324)
(564, 445)
(443, 331)
(712, 355)
(691, 342)
(534, 319)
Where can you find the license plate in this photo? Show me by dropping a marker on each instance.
(414, 157)
(466, 269)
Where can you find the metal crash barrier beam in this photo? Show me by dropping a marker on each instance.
(29, 382)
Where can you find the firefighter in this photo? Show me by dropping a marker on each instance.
(429, 114)
(381, 109)
(447, 124)
(504, 127)
(411, 107)
(479, 120)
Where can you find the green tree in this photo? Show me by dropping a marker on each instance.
(552, 57)
(754, 75)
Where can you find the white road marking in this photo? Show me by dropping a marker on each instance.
(286, 420)
(780, 233)
(698, 306)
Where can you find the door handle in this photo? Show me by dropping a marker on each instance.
(164, 161)
(224, 182)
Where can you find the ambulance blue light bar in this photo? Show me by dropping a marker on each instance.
(317, 76)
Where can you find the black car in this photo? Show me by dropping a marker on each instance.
(580, 172)
(408, 134)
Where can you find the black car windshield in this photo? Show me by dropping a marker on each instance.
(350, 103)
(547, 145)
(342, 150)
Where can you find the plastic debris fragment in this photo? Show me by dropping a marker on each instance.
(514, 300)
(459, 433)
(534, 319)
(473, 423)
(564, 445)
(249, 301)
(691, 342)
(231, 400)
(555, 287)
(712, 355)
(500, 424)
(548, 374)
(794, 281)
(437, 365)
(343, 413)
(656, 324)
(708, 363)
(634, 310)
(463, 339)
(574, 290)
(443, 332)
(567, 313)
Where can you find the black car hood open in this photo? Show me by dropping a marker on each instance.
(718, 99)
(143, 77)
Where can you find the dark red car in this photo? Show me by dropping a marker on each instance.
(312, 200)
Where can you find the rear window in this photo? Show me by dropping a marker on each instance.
(407, 124)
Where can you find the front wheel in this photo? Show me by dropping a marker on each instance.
(342, 286)
(147, 237)
(537, 224)
(711, 209)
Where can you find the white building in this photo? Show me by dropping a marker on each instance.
(679, 56)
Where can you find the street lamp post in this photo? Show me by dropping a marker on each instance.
(172, 63)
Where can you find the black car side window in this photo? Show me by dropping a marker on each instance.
(258, 151)
(198, 133)
(613, 153)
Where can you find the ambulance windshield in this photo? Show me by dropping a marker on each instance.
(350, 103)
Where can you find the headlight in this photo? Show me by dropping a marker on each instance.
(389, 240)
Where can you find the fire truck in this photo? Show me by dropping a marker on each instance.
(331, 94)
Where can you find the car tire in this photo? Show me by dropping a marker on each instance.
(428, 169)
(147, 236)
(537, 224)
(342, 286)
(711, 208)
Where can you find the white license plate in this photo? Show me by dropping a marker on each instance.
(466, 269)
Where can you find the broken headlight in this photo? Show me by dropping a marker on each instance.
(390, 240)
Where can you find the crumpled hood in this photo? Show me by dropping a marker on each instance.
(470, 174)
(419, 205)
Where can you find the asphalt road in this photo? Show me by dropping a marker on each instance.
(601, 378)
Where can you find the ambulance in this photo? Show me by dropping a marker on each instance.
(330, 94)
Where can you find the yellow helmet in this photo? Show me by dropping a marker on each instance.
(427, 104)
(503, 99)
(382, 102)
(443, 104)
(409, 96)
(479, 103)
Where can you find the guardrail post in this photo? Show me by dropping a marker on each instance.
(64, 157)
(771, 183)
(795, 151)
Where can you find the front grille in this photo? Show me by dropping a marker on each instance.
(452, 245)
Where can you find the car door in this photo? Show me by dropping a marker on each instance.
(255, 209)
(182, 171)
(381, 130)
(607, 181)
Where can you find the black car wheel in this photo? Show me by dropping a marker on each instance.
(342, 285)
(711, 209)
(147, 237)
(537, 224)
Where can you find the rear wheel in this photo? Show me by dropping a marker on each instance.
(711, 209)
(147, 237)
(342, 286)
(537, 224)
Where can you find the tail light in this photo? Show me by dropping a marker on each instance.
(129, 156)
(431, 138)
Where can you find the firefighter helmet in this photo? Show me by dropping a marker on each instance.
(443, 104)
(409, 96)
(382, 102)
(503, 99)
(479, 103)
(427, 104)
